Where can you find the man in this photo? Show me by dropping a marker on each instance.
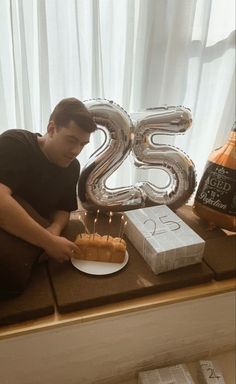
(38, 177)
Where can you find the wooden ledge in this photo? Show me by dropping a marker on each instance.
(121, 308)
(127, 306)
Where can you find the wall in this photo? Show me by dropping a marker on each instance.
(113, 348)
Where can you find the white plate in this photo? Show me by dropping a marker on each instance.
(98, 267)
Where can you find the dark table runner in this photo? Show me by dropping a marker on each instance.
(75, 290)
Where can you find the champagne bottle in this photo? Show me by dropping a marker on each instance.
(215, 200)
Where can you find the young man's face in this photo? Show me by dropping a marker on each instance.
(65, 144)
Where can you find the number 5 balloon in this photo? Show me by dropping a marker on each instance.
(120, 138)
(149, 154)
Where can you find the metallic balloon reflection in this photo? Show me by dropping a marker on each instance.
(123, 136)
(149, 154)
(118, 129)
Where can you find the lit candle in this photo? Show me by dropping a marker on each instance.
(94, 223)
(79, 217)
(84, 222)
(121, 224)
(109, 229)
(94, 226)
(122, 234)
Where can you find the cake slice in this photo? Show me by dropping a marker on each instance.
(94, 247)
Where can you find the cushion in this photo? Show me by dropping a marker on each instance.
(35, 301)
(220, 255)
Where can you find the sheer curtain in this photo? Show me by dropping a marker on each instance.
(138, 53)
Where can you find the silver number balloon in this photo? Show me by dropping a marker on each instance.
(92, 190)
(120, 138)
(149, 154)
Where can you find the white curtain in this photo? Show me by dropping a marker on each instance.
(138, 53)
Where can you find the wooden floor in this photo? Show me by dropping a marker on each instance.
(226, 362)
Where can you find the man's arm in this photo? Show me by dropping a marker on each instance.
(15, 220)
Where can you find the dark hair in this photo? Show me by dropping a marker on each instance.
(72, 109)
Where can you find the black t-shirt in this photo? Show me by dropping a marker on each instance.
(30, 175)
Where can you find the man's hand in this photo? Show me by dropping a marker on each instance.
(58, 221)
(60, 248)
(17, 221)
(55, 227)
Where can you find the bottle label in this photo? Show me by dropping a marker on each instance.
(217, 188)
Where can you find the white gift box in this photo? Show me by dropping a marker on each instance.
(210, 372)
(164, 240)
(177, 374)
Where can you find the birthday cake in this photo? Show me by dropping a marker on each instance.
(94, 247)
